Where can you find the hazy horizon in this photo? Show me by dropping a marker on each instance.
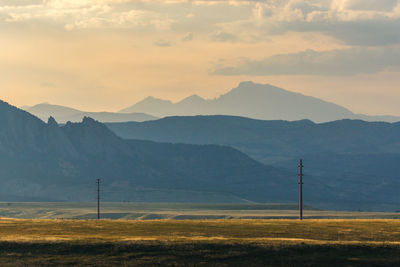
(119, 110)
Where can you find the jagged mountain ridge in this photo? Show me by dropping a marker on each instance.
(257, 101)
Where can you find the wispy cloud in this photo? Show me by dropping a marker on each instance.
(220, 36)
(332, 63)
(71, 14)
(188, 37)
(354, 22)
(162, 43)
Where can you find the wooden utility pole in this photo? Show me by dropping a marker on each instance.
(301, 189)
(98, 198)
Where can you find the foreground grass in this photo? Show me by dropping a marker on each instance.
(195, 254)
(207, 243)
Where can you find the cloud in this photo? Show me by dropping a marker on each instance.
(220, 36)
(188, 37)
(4, 16)
(354, 22)
(20, 2)
(374, 5)
(329, 63)
(163, 43)
(84, 14)
(373, 32)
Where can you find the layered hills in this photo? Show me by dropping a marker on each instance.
(269, 141)
(349, 164)
(45, 161)
(356, 160)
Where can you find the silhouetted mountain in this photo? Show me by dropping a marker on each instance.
(357, 160)
(157, 106)
(43, 161)
(258, 137)
(258, 101)
(63, 114)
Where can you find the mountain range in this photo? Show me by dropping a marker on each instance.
(357, 160)
(248, 99)
(253, 100)
(269, 141)
(47, 162)
(64, 114)
(349, 164)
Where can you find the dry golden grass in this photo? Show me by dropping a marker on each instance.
(322, 231)
(359, 242)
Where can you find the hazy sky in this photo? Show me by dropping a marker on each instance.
(108, 54)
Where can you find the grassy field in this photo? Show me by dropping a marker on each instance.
(176, 211)
(327, 242)
(173, 234)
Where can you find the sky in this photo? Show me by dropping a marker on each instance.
(99, 55)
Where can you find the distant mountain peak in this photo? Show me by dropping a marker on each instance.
(193, 99)
(249, 85)
(45, 110)
(245, 83)
(253, 84)
(248, 99)
(153, 99)
(149, 102)
(194, 96)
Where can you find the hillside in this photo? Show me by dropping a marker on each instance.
(64, 114)
(271, 138)
(47, 162)
(252, 100)
(356, 160)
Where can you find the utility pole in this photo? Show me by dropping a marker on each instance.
(98, 198)
(301, 189)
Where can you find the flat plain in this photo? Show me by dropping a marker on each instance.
(273, 242)
(175, 211)
(187, 241)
